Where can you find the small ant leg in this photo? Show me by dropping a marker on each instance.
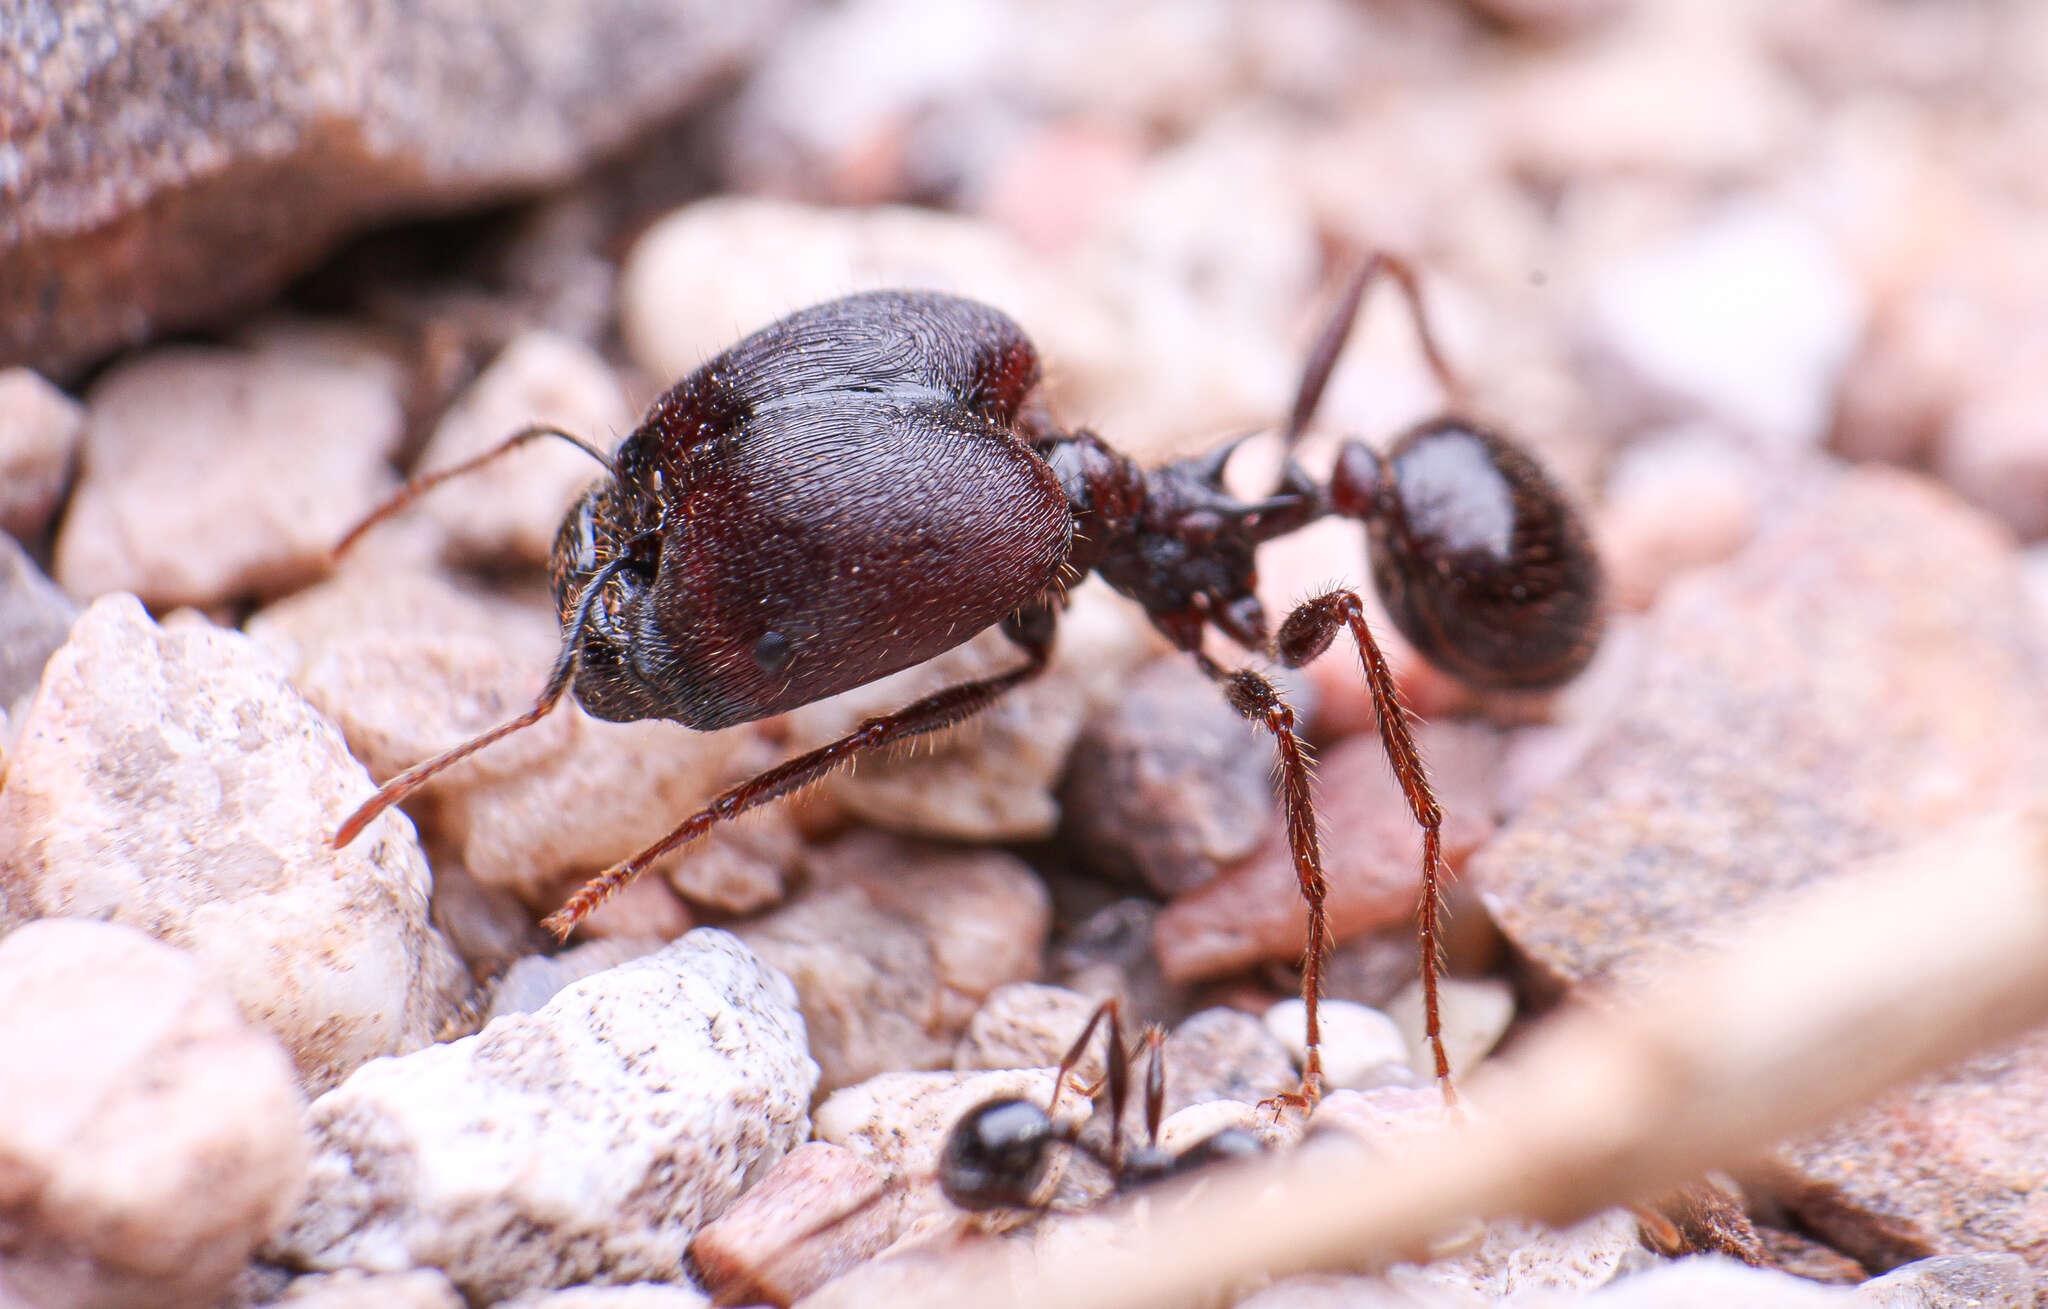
(1255, 699)
(939, 710)
(1306, 634)
(425, 482)
(1108, 1009)
(1322, 357)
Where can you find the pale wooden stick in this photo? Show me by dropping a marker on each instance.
(1898, 970)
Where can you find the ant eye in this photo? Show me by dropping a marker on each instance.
(771, 653)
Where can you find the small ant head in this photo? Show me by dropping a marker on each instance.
(1480, 558)
(996, 1155)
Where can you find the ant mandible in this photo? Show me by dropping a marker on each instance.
(997, 1153)
(866, 484)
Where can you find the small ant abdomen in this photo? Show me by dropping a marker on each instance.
(1481, 560)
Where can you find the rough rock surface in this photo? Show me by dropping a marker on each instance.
(208, 474)
(993, 777)
(1372, 855)
(35, 617)
(39, 428)
(1168, 784)
(508, 512)
(820, 1211)
(985, 913)
(1867, 672)
(409, 664)
(167, 777)
(585, 1142)
(168, 164)
(149, 1137)
(422, 1288)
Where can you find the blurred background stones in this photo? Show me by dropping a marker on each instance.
(1711, 259)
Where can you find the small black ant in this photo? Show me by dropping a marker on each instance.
(998, 1152)
(872, 481)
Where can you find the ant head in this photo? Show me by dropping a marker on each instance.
(603, 544)
(1481, 560)
(996, 1155)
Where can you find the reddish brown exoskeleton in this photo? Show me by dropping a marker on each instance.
(866, 484)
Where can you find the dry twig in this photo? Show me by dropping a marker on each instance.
(1911, 964)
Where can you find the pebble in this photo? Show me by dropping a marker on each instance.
(409, 664)
(1224, 1054)
(296, 454)
(1361, 1047)
(589, 1140)
(510, 511)
(39, 430)
(1372, 856)
(1475, 1012)
(984, 913)
(1109, 953)
(1713, 1281)
(1168, 784)
(169, 778)
(421, 1288)
(533, 981)
(709, 273)
(1875, 636)
(993, 778)
(35, 617)
(637, 1295)
(865, 980)
(1746, 320)
(1995, 450)
(1954, 1281)
(1676, 500)
(820, 1211)
(149, 1135)
(1028, 1025)
(899, 1121)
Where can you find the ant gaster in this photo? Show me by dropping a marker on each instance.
(998, 1152)
(870, 482)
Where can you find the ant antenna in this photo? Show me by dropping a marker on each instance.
(403, 785)
(425, 482)
(1322, 360)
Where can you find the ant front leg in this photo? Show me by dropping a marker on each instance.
(1306, 634)
(1255, 699)
(1032, 630)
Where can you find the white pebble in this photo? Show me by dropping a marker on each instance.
(1359, 1042)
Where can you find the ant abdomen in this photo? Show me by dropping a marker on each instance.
(1479, 557)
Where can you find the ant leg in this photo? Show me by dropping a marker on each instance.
(1306, 634)
(1107, 1009)
(939, 710)
(405, 783)
(425, 482)
(1254, 698)
(1155, 1082)
(1322, 357)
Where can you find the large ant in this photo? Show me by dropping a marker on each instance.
(871, 481)
(998, 1152)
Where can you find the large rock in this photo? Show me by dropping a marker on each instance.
(168, 778)
(585, 1142)
(149, 1138)
(167, 163)
(1866, 673)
